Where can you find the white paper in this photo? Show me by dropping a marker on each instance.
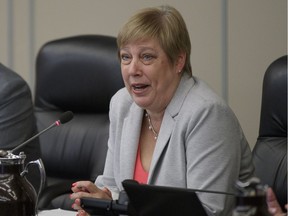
(57, 212)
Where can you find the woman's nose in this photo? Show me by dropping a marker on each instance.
(134, 67)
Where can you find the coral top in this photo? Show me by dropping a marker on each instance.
(140, 174)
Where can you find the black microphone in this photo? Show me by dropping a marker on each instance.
(64, 118)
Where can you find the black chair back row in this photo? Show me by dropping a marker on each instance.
(79, 74)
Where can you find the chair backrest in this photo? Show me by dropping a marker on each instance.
(17, 120)
(79, 74)
(270, 151)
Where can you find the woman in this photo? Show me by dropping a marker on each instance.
(167, 127)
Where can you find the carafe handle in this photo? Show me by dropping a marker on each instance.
(40, 165)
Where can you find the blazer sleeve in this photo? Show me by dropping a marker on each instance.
(216, 151)
(119, 107)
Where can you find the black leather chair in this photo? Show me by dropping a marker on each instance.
(79, 74)
(270, 151)
(17, 120)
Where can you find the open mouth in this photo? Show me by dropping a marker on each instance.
(139, 87)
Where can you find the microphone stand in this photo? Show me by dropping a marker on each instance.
(57, 123)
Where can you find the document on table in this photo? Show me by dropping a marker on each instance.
(57, 212)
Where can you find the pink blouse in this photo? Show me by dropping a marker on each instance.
(140, 174)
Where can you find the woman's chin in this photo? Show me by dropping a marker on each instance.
(141, 102)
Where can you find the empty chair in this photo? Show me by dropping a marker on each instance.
(79, 74)
(270, 151)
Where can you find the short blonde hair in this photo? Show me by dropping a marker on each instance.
(163, 23)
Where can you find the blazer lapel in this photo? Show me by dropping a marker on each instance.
(163, 140)
(129, 142)
(169, 121)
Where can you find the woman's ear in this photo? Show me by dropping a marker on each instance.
(180, 62)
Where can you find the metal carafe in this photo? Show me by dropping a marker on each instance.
(17, 196)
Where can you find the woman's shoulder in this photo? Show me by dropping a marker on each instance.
(202, 95)
(121, 98)
(202, 100)
(121, 102)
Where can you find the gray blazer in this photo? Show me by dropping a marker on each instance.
(200, 145)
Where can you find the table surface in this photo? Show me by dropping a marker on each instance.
(57, 212)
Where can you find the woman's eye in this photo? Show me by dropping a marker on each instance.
(125, 58)
(147, 57)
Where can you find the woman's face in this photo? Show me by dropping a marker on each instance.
(149, 76)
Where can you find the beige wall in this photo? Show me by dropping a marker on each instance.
(233, 41)
(257, 36)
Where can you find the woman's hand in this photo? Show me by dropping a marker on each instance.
(86, 189)
(273, 205)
